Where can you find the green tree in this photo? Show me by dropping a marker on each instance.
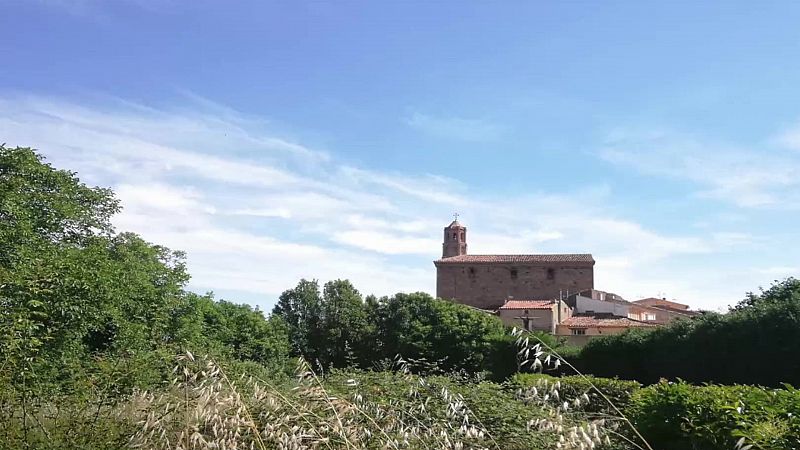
(345, 325)
(301, 310)
(456, 336)
(68, 285)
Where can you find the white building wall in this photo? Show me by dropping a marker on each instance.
(586, 305)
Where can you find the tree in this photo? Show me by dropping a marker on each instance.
(345, 325)
(68, 285)
(40, 204)
(457, 336)
(301, 309)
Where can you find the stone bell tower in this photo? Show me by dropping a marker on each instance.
(455, 239)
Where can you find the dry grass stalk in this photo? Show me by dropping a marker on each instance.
(204, 409)
(593, 430)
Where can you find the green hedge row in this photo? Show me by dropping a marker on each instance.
(680, 416)
(758, 342)
(617, 391)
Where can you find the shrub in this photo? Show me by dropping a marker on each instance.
(678, 416)
(489, 405)
(617, 391)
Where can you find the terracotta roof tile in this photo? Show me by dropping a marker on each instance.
(528, 304)
(602, 321)
(555, 258)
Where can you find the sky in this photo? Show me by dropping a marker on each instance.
(274, 141)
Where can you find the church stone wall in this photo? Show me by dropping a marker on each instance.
(487, 286)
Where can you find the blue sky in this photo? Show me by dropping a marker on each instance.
(280, 140)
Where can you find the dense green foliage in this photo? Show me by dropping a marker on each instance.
(76, 297)
(680, 416)
(493, 407)
(619, 392)
(758, 342)
(338, 328)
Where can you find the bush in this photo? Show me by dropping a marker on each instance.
(618, 391)
(678, 416)
(490, 406)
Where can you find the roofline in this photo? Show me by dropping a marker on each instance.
(454, 262)
(637, 325)
(548, 306)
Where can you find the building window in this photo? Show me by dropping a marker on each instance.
(649, 316)
(551, 273)
(513, 274)
(455, 236)
(471, 271)
(462, 236)
(578, 331)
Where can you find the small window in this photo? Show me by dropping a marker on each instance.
(472, 271)
(649, 316)
(455, 236)
(526, 312)
(551, 274)
(578, 331)
(462, 236)
(513, 274)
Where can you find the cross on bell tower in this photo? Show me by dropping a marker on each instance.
(455, 239)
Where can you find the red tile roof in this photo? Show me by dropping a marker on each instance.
(554, 258)
(528, 304)
(602, 322)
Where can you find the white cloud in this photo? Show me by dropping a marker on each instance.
(256, 212)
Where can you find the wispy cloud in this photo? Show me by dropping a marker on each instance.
(255, 210)
(761, 177)
(457, 127)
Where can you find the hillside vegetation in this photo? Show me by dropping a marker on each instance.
(102, 347)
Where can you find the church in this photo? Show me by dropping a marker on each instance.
(488, 281)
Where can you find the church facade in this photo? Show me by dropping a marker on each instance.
(488, 281)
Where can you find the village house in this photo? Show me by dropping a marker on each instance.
(651, 310)
(534, 315)
(581, 327)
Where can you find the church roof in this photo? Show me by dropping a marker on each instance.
(455, 224)
(528, 304)
(550, 258)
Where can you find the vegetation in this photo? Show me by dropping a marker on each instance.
(756, 343)
(97, 332)
(339, 329)
(714, 417)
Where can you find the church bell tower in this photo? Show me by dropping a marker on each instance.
(455, 239)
